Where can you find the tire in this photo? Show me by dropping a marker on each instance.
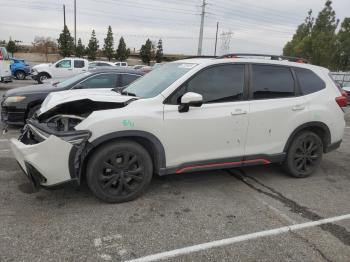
(304, 155)
(32, 111)
(119, 171)
(42, 77)
(20, 75)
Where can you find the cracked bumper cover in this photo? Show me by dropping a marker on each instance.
(47, 158)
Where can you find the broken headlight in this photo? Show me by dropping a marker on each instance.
(64, 123)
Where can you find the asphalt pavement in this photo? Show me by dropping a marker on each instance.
(178, 211)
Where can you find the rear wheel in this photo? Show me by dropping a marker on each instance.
(119, 172)
(20, 75)
(304, 155)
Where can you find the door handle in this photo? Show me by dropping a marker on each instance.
(238, 112)
(298, 107)
(70, 69)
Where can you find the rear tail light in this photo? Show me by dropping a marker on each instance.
(344, 93)
(342, 100)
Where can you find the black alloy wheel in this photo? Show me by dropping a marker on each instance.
(304, 155)
(119, 172)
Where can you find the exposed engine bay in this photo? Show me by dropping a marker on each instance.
(64, 117)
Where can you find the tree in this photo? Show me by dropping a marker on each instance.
(65, 43)
(44, 45)
(316, 39)
(108, 44)
(300, 45)
(323, 36)
(343, 46)
(159, 52)
(122, 53)
(80, 49)
(92, 46)
(146, 52)
(11, 46)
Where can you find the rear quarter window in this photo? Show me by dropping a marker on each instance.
(309, 82)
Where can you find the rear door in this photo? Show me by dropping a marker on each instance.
(79, 66)
(275, 109)
(214, 132)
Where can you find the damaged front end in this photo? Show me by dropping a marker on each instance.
(50, 150)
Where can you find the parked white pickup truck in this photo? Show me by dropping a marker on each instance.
(64, 68)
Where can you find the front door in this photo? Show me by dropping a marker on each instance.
(214, 132)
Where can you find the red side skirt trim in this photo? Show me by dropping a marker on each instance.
(238, 163)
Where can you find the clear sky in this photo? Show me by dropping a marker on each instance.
(257, 26)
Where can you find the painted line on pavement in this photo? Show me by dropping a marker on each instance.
(237, 239)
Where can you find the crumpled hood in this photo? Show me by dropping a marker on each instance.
(97, 95)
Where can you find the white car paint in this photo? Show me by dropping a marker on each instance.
(212, 131)
(101, 94)
(56, 71)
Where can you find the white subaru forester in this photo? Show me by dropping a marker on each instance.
(189, 115)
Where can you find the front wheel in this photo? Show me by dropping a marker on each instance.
(42, 77)
(304, 155)
(119, 172)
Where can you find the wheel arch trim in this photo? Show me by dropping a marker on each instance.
(151, 138)
(326, 139)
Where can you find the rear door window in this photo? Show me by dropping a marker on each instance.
(127, 79)
(309, 82)
(269, 82)
(79, 64)
(101, 81)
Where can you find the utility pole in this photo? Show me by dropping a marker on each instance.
(75, 23)
(216, 37)
(64, 15)
(200, 41)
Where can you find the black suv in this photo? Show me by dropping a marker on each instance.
(21, 103)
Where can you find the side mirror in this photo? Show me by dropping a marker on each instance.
(190, 99)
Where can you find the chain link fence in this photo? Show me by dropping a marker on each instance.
(343, 78)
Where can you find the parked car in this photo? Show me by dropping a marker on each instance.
(96, 64)
(21, 103)
(185, 116)
(122, 64)
(19, 68)
(138, 66)
(62, 69)
(5, 69)
(347, 90)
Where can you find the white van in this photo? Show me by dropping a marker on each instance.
(5, 71)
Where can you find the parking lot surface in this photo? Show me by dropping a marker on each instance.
(69, 224)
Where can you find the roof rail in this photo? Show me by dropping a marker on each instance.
(272, 57)
(201, 56)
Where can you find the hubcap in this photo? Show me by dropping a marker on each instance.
(307, 155)
(121, 174)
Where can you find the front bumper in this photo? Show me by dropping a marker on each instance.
(6, 79)
(45, 158)
(12, 116)
(49, 158)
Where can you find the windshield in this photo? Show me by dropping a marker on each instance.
(158, 80)
(72, 80)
